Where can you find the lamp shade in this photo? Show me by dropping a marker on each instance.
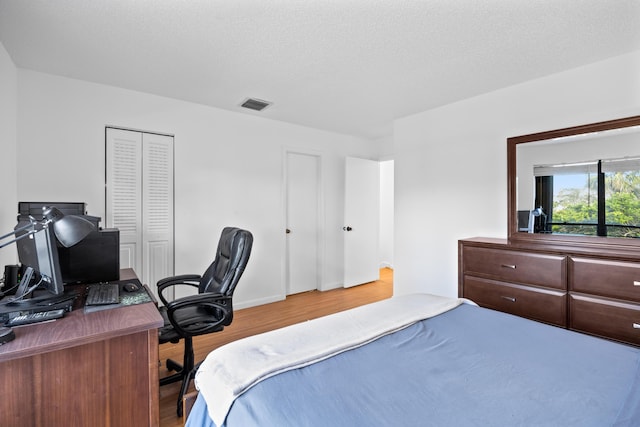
(69, 229)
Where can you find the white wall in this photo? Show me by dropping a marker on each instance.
(228, 170)
(8, 141)
(451, 168)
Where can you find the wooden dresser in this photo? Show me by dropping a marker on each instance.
(593, 292)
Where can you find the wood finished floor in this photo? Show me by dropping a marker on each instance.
(255, 320)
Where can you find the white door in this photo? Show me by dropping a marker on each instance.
(302, 219)
(362, 221)
(139, 198)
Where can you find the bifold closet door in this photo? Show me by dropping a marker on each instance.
(139, 201)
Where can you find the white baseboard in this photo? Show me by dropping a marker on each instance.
(329, 286)
(258, 301)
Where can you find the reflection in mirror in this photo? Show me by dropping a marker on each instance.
(583, 184)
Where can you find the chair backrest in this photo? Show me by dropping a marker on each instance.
(234, 248)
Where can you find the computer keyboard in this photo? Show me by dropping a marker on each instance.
(102, 294)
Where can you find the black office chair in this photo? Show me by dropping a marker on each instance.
(208, 311)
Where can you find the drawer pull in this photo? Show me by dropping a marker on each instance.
(511, 266)
(636, 326)
(512, 299)
(636, 283)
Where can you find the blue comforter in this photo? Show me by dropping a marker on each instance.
(467, 367)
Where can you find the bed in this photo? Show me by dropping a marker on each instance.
(419, 360)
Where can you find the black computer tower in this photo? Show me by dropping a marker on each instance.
(94, 259)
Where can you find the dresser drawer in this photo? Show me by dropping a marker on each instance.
(517, 267)
(535, 303)
(606, 318)
(615, 279)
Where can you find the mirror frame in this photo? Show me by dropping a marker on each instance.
(558, 239)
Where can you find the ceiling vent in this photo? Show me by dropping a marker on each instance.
(255, 104)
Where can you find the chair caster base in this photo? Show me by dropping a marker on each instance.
(173, 366)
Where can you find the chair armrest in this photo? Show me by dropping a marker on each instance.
(178, 279)
(210, 300)
(192, 280)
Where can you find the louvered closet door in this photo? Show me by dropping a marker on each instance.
(124, 194)
(139, 197)
(157, 207)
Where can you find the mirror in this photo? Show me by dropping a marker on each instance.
(579, 184)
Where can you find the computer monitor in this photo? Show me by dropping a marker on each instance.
(524, 221)
(42, 231)
(39, 252)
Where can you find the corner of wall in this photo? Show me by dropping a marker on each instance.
(8, 147)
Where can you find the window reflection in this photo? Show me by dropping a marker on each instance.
(597, 198)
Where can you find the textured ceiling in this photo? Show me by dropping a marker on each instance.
(349, 66)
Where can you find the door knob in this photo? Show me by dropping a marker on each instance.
(288, 231)
(347, 228)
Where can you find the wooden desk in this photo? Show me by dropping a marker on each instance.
(94, 369)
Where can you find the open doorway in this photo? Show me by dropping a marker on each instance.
(386, 214)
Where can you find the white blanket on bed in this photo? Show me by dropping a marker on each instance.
(229, 371)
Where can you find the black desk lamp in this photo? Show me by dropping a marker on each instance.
(40, 253)
(537, 212)
(69, 229)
